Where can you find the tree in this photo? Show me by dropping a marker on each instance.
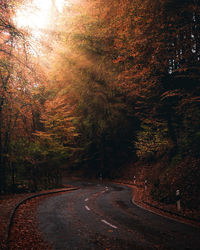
(16, 79)
(104, 121)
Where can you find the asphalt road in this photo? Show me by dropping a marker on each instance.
(102, 216)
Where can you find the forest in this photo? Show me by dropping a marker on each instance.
(109, 87)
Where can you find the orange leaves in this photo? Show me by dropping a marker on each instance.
(57, 121)
(119, 59)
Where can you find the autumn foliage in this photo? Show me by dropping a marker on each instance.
(117, 82)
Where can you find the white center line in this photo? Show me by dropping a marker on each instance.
(87, 208)
(104, 221)
(86, 199)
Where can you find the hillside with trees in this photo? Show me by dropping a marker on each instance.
(113, 91)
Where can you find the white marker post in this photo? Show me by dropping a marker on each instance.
(178, 201)
(134, 180)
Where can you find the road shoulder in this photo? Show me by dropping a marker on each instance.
(139, 199)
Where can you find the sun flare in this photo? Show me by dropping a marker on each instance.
(36, 16)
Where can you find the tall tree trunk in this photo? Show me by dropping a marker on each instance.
(102, 156)
(2, 166)
(12, 167)
(172, 137)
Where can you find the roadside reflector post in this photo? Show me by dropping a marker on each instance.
(134, 180)
(178, 200)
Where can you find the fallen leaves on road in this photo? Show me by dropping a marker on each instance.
(25, 220)
(25, 233)
(7, 204)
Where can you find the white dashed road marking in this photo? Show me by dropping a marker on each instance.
(86, 207)
(104, 221)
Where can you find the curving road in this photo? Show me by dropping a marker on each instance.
(101, 216)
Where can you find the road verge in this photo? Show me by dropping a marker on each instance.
(29, 198)
(138, 198)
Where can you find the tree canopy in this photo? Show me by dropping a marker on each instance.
(116, 81)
